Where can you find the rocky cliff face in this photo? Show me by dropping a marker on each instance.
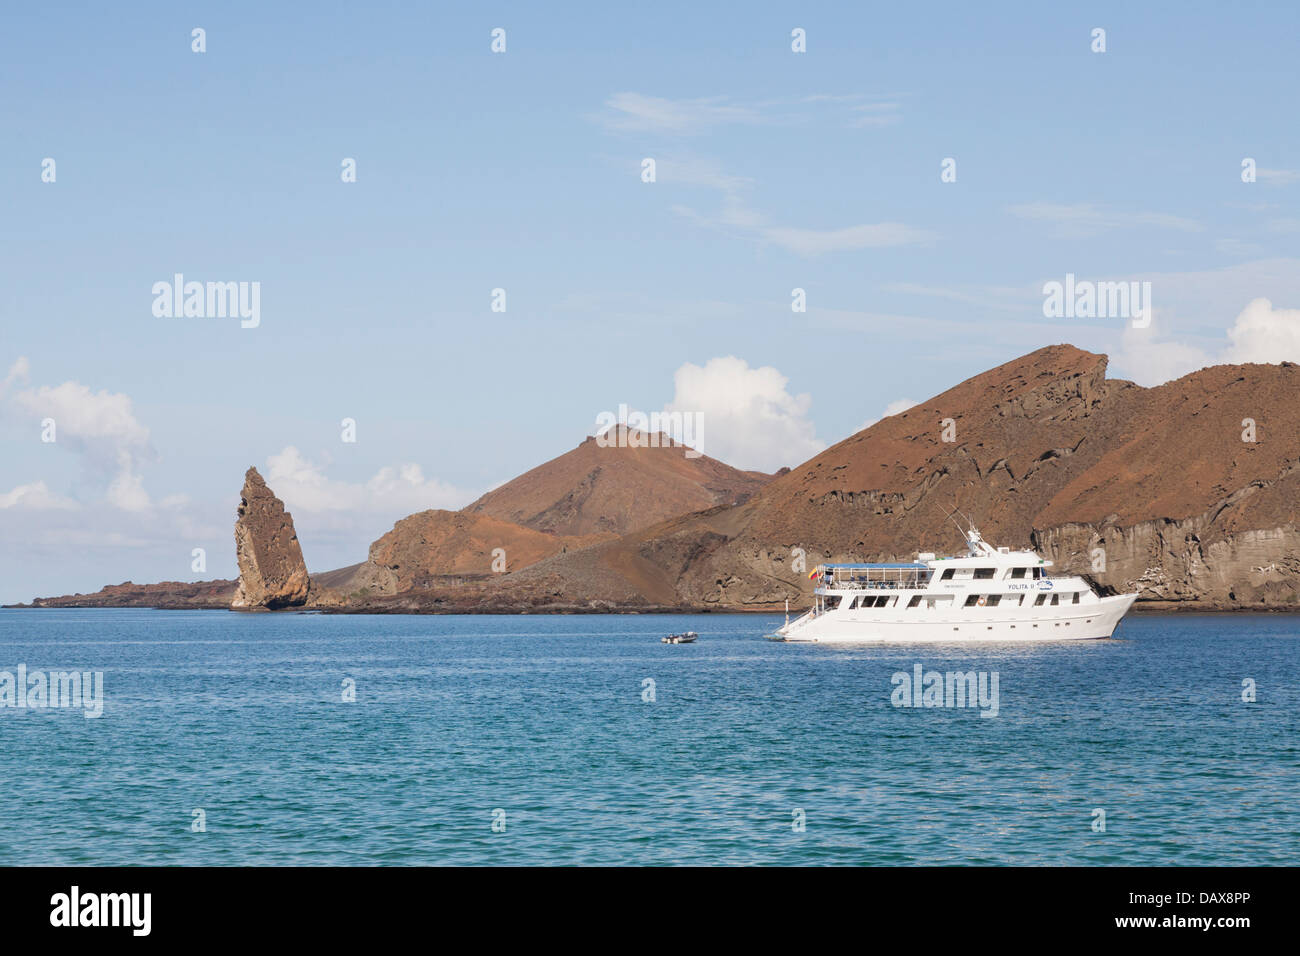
(272, 573)
(1186, 493)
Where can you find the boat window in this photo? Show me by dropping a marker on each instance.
(947, 574)
(915, 602)
(1038, 601)
(995, 600)
(1056, 599)
(1076, 598)
(831, 602)
(983, 574)
(1038, 573)
(1018, 572)
(971, 600)
(1022, 601)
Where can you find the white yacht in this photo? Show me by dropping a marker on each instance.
(991, 594)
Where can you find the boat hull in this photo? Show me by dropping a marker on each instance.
(1095, 620)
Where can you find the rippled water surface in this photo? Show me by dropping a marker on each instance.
(544, 718)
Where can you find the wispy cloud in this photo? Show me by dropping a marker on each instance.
(643, 113)
(685, 170)
(881, 113)
(1238, 247)
(1278, 177)
(1084, 220)
(639, 112)
(815, 242)
(739, 218)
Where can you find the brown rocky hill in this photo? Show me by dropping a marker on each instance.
(427, 548)
(633, 480)
(1143, 489)
(595, 492)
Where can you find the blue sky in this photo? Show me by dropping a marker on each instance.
(522, 170)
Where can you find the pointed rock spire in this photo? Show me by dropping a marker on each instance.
(272, 573)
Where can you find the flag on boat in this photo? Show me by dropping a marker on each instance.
(814, 573)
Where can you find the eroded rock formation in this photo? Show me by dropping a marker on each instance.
(272, 573)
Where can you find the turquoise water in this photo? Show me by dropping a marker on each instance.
(544, 718)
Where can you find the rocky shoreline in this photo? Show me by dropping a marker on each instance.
(1158, 491)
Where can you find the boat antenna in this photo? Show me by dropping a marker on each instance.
(955, 522)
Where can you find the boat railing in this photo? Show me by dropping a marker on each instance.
(877, 579)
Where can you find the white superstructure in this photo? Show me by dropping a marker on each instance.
(991, 594)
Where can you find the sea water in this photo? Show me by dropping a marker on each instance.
(295, 738)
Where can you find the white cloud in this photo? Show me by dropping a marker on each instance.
(749, 418)
(1083, 220)
(101, 423)
(126, 491)
(304, 486)
(893, 408)
(1150, 360)
(1260, 333)
(35, 496)
(100, 426)
(19, 372)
